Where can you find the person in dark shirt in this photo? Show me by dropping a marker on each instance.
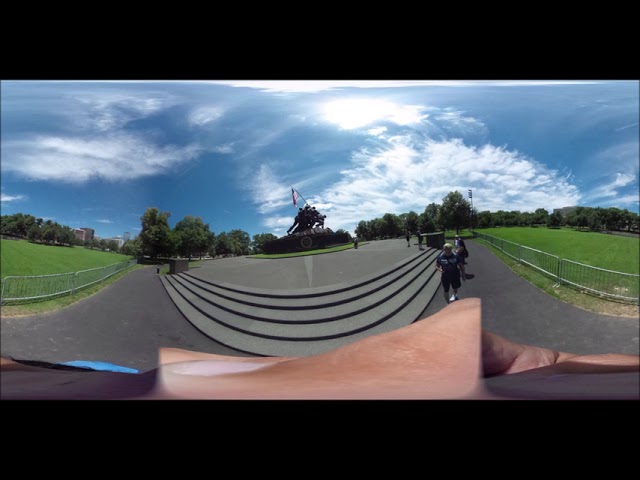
(450, 266)
(408, 237)
(461, 249)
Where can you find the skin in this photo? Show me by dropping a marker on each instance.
(443, 356)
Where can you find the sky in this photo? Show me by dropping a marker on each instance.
(98, 154)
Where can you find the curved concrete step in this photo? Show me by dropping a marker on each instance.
(335, 308)
(251, 294)
(347, 323)
(412, 311)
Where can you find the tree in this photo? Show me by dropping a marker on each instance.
(224, 245)
(411, 221)
(49, 232)
(155, 235)
(391, 225)
(259, 240)
(455, 211)
(362, 230)
(540, 216)
(241, 242)
(192, 236)
(485, 219)
(112, 245)
(34, 233)
(103, 244)
(554, 220)
(132, 248)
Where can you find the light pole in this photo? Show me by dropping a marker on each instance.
(471, 197)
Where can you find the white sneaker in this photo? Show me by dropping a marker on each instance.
(453, 297)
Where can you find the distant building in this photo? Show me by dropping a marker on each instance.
(89, 233)
(84, 234)
(79, 233)
(564, 211)
(118, 240)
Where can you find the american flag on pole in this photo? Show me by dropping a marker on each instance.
(294, 194)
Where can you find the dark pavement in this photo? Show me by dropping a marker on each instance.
(517, 310)
(127, 322)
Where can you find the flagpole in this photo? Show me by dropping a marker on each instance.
(305, 201)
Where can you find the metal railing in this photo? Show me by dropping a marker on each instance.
(36, 287)
(624, 286)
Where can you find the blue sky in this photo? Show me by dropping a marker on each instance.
(97, 154)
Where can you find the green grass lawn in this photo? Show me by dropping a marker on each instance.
(612, 252)
(19, 257)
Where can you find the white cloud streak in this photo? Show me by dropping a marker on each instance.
(103, 220)
(107, 111)
(612, 188)
(114, 157)
(4, 198)
(203, 115)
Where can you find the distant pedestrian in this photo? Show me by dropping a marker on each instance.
(461, 249)
(408, 237)
(420, 240)
(355, 242)
(450, 266)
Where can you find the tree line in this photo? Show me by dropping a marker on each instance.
(455, 212)
(190, 237)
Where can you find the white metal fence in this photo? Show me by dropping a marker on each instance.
(36, 287)
(625, 286)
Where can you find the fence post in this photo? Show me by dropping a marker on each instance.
(73, 284)
(559, 270)
(2, 291)
(520, 253)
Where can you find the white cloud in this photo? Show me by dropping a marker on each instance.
(406, 177)
(455, 122)
(203, 115)
(626, 126)
(105, 111)
(377, 132)
(11, 198)
(102, 220)
(359, 112)
(119, 156)
(268, 192)
(226, 148)
(611, 189)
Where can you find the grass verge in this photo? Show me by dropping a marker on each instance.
(58, 303)
(573, 296)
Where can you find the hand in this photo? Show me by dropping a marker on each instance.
(442, 356)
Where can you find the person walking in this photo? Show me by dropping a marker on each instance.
(420, 240)
(355, 242)
(449, 264)
(461, 249)
(408, 237)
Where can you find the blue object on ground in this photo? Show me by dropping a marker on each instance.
(101, 366)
